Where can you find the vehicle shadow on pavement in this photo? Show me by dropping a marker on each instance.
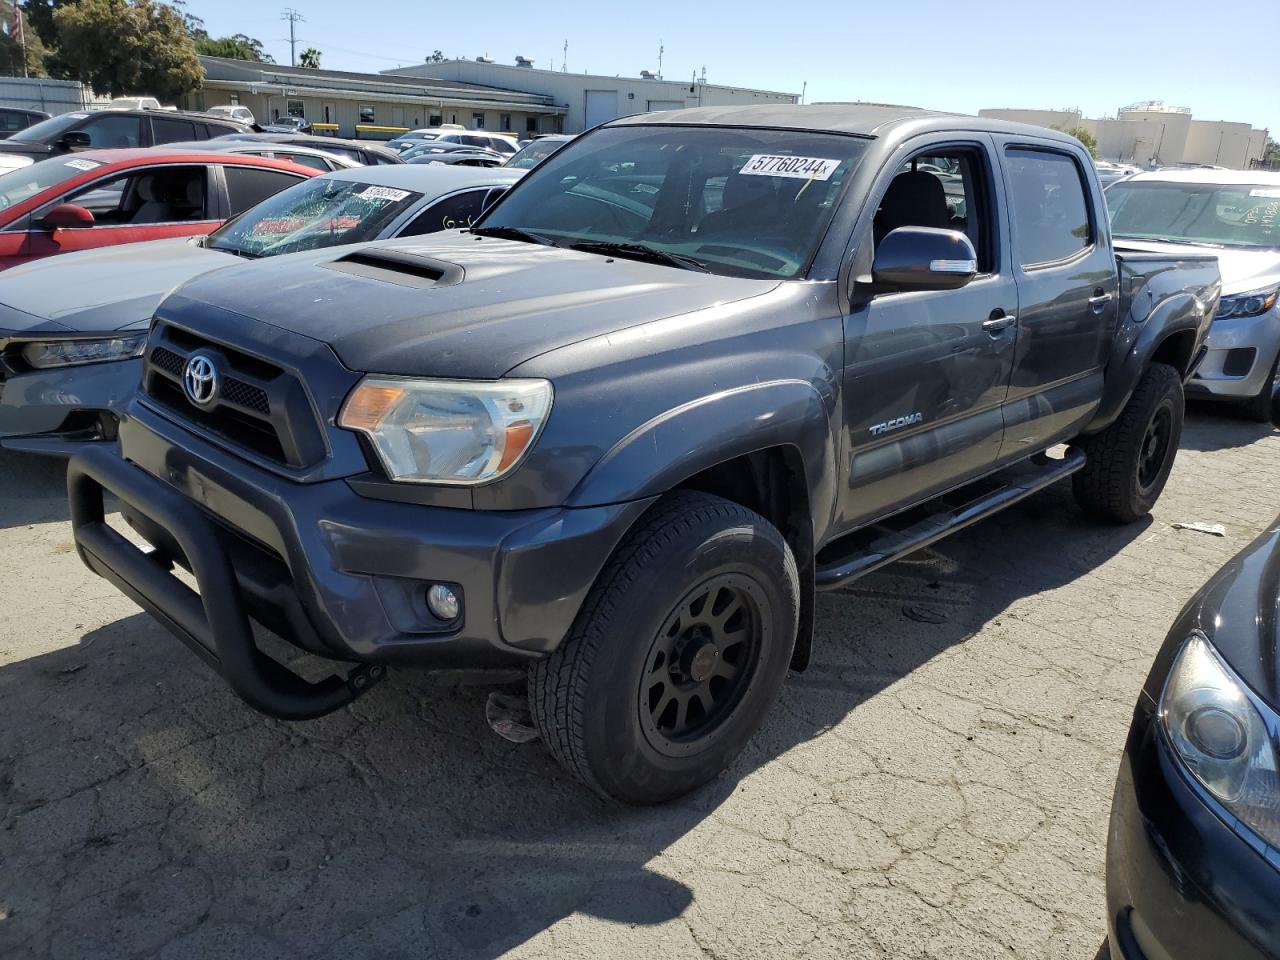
(33, 489)
(1216, 426)
(146, 811)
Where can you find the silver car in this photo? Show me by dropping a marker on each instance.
(1236, 214)
(72, 327)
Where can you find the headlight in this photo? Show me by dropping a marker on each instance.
(448, 431)
(1247, 304)
(1222, 734)
(64, 353)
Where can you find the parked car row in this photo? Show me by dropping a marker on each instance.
(617, 425)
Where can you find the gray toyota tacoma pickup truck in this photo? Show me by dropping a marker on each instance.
(695, 367)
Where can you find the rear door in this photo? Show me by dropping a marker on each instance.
(1067, 292)
(926, 372)
(248, 186)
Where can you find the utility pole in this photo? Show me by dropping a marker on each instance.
(294, 18)
(564, 59)
(661, 51)
(803, 90)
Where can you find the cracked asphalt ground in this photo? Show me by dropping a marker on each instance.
(936, 785)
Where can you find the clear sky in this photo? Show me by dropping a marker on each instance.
(1217, 58)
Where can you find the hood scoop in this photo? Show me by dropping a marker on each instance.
(399, 267)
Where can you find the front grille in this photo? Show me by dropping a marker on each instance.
(259, 406)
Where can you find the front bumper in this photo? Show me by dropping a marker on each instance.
(335, 573)
(1229, 370)
(1180, 882)
(52, 411)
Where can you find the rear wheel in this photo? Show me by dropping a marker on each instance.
(677, 654)
(1128, 464)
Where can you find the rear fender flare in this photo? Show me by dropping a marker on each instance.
(1136, 343)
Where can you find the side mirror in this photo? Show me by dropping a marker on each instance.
(75, 140)
(924, 258)
(64, 216)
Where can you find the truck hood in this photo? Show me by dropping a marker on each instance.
(105, 289)
(1242, 270)
(503, 301)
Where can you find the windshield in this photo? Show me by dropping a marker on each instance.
(535, 152)
(50, 129)
(313, 214)
(731, 200)
(1229, 215)
(25, 182)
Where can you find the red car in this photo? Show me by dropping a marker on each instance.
(98, 198)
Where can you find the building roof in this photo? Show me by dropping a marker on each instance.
(222, 69)
(859, 119)
(523, 71)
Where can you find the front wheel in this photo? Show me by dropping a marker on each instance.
(677, 654)
(1128, 463)
(1259, 407)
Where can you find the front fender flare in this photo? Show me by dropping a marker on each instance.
(679, 443)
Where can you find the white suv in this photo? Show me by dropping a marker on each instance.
(235, 112)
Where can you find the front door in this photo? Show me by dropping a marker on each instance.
(1068, 295)
(926, 372)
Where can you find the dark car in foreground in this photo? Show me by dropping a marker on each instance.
(110, 129)
(97, 304)
(1193, 854)
(692, 368)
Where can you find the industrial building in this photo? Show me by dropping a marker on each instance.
(1155, 133)
(370, 105)
(591, 99)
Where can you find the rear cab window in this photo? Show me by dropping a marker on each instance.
(1048, 205)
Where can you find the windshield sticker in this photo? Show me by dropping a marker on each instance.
(1271, 193)
(80, 164)
(798, 168)
(383, 193)
(77, 116)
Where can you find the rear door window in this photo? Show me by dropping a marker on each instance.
(452, 213)
(1047, 205)
(248, 186)
(172, 130)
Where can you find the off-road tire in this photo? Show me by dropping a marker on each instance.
(1110, 486)
(1258, 408)
(586, 698)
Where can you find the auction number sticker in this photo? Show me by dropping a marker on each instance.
(79, 164)
(1271, 193)
(383, 193)
(798, 168)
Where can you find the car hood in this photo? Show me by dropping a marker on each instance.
(502, 302)
(107, 288)
(1238, 611)
(1242, 270)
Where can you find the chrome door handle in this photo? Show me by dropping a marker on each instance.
(996, 324)
(1100, 301)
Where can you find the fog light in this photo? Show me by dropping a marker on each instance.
(443, 602)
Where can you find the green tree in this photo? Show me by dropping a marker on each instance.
(128, 46)
(310, 59)
(436, 57)
(1088, 139)
(237, 47)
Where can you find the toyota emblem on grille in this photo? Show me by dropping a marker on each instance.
(200, 380)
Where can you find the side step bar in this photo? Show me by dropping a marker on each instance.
(866, 550)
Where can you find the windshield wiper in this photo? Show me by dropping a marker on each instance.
(513, 233)
(1174, 240)
(638, 251)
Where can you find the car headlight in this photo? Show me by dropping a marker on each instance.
(64, 353)
(448, 431)
(1225, 736)
(1247, 304)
